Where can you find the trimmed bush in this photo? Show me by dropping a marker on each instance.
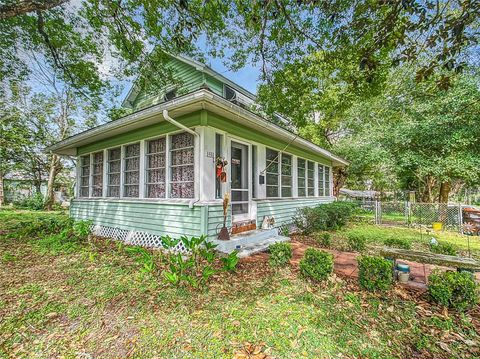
(356, 242)
(395, 242)
(316, 264)
(374, 273)
(324, 239)
(444, 248)
(280, 254)
(324, 217)
(456, 290)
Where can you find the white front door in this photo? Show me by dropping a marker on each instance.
(240, 184)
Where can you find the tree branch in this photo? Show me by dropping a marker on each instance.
(16, 8)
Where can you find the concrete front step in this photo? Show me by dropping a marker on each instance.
(250, 241)
(260, 247)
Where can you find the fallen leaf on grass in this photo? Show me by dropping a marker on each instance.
(444, 346)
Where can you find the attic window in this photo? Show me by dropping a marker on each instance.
(170, 95)
(229, 93)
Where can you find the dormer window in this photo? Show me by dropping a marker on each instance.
(170, 95)
(230, 93)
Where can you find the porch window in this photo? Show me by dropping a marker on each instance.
(155, 168)
(310, 179)
(327, 181)
(321, 180)
(113, 172)
(97, 175)
(131, 170)
(301, 177)
(272, 173)
(182, 165)
(84, 175)
(286, 180)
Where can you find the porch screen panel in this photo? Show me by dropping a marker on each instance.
(182, 182)
(286, 169)
(301, 177)
(310, 179)
(272, 173)
(97, 175)
(84, 175)
(131, 184)
(155, 167)
(321, 180)
(113, 172)
(327, 181)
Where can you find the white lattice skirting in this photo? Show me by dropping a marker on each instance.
(134, 238)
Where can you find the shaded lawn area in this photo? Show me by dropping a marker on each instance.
(419, 238)
(93, 299)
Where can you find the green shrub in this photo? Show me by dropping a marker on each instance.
(444, 248)
(143, 256)
(34, 202)
(280, 254)
(193, 269)
(324, 217)
(457, 290)
(374, 273)
(395, 242)
(356, 242)
(324, 239)
(316, 264)
(230, 262)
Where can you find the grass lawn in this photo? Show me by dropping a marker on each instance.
(419, 239)
(92, 299)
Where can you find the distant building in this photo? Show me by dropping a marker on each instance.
(18, 186)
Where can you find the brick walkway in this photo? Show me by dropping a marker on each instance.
(346, 264)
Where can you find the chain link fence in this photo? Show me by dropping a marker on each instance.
(450, 216)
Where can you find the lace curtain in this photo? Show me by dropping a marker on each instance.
(155, 163)
(132, 170)
(97, 175)
(182, 166)
(113, 187)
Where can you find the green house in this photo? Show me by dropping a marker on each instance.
(158, 171)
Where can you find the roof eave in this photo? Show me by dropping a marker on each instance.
(67, 146)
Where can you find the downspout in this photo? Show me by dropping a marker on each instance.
(186, 129)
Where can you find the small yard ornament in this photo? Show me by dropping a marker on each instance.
(220, 164)
(223, 234)
(268, 222)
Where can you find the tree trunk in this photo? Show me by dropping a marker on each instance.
(427, 196)
(339, 177)
(55, 167)
(2, 195)
(444, 192)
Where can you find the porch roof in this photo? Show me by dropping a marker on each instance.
(198, 100)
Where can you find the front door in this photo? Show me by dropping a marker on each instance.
(240, 185)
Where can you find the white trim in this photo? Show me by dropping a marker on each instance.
(202, 98)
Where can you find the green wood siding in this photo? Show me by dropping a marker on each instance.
(159, 129)
(174, 220)
(187, 79)
(284, 210)
(215, 220)
(240, 130)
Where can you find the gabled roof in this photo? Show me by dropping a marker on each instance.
(135, 90)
